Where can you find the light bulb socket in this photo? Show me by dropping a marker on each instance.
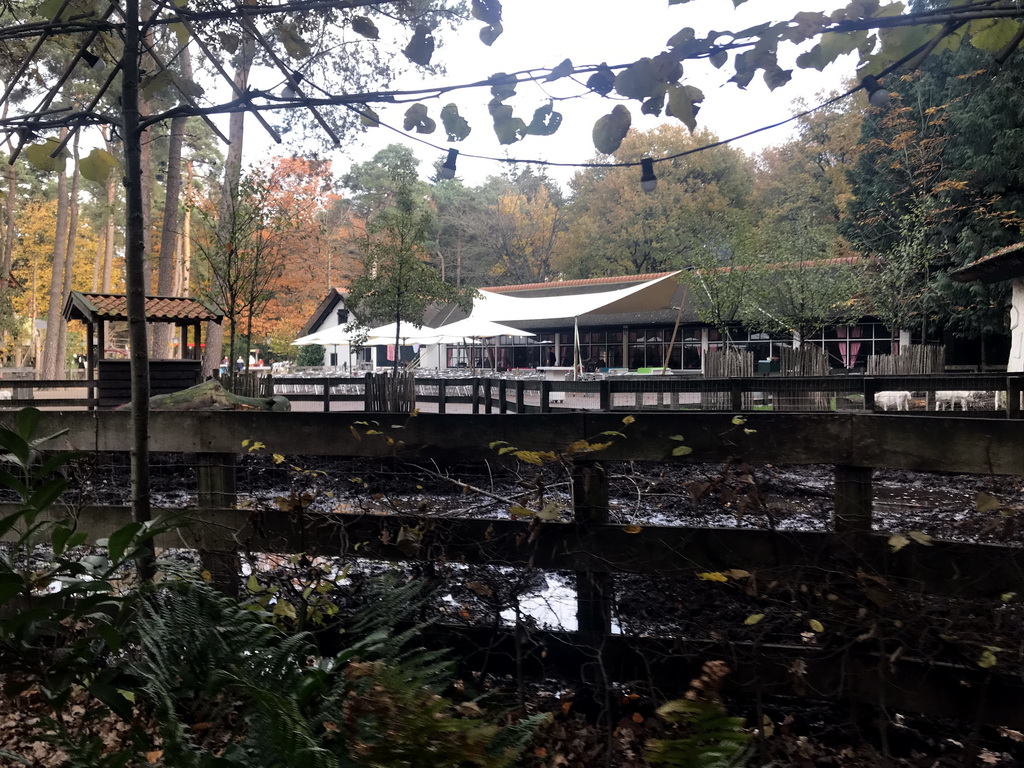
(448, 168)
(648, 181)
(93, 61)
(877, 95)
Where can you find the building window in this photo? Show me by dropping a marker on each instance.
(342, 316)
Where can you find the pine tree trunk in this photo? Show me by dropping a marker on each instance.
(60, 245)
(69, 261)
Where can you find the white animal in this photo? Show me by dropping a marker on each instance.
(948, 400)
(891, 400)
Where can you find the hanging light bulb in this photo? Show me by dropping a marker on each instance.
(93, 61)
(294, 80)
(877, 95)
(648, 181)
(448, 169)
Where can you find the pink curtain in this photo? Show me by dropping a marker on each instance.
(848, 350)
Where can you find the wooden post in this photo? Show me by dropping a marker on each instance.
(1013, 390)
(367, 392)
(594, 591)
(605, 395)
(442, 396)
(545, 396)
(869, 395)
(218, 490)
(736, 395)
(476, 395)
(852, 496)
(502, 396)
(520, 396)
(487, 395)
(327, 395)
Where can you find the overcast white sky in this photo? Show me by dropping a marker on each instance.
(541, 33)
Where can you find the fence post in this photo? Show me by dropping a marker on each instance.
(487, 395)
(367, 392)
(327, 394)
(605, 396)
(520, 396)
(869, 395)
(736, 394)
(218, 490)
(502, 395)
(594, 591)
(545, 396)
(442, 396)
(1013, 390)
(476, 394)
(852, 495)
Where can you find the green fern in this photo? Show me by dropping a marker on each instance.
(712, 739)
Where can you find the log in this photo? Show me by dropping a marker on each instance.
(212, 396)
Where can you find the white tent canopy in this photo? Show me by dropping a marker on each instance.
(478, 328)
(384, 334)
(653, 294)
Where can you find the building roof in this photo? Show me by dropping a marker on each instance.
(575, 287)
(323, 311)
(93, 307)
(1004, 264)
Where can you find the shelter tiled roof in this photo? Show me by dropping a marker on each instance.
(567, 286)
(93, 307)
(1004, 264)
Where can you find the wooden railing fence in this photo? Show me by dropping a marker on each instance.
(851, 663)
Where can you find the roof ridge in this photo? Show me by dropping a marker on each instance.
(577, 282)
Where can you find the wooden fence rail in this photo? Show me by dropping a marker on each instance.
(597, 551)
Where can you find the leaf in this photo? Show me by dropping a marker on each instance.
(682, 104)
(487, 11)
(633, 528)
(753, 618)
(49, 8)
(490, 33)
(737, 573)
(361, 25)
(564, 69)
(602, 81)
(154, 757)
(508, 128)
(816, 625)
(1007, 596)
(898, 542)
(180, 32)
(611, 129)
(421, 47)
(455, 125)
(985, 502)
(153, 86)
(284, 608)
(545, 121)
(550, 511)
(228, 42)
(40, 156)
(921, 538)
(627, 420)
(738, 420)
(987, 659)
(640, 80)
(678, 438)
(27, 421)
(368, 118)
(292, 41)
(712, 576)
(719, 58)
(518, 511)
(97, 166)
(416, 118)
(682, 450)
(120, 539)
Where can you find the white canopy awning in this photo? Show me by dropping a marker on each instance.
(653, 294)
(478, 328)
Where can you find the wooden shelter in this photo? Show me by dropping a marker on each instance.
(97, 309)
(1005, 264)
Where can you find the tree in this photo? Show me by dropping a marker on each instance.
(242, 255)
(697, 215)
(397, 284)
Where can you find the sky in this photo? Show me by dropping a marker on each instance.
(541, 33)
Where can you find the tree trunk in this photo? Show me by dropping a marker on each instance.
(163, 333)
(50, 368)
(134, 256)
(232, 175)
(69, 259)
